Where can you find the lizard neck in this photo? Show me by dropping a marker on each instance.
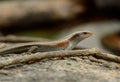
(73, 41)
(70, 41)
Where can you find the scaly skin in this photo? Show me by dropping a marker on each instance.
(65, 44)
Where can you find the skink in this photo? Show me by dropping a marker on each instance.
(65, 44)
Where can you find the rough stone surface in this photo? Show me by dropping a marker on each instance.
(72, 69)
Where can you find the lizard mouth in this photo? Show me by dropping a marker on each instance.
(89, 34)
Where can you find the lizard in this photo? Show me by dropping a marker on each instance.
(67, 43)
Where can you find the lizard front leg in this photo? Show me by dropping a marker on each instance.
(32, 49)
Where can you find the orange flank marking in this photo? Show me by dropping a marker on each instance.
(62, 44)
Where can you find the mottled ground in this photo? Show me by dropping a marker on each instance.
(73, 69)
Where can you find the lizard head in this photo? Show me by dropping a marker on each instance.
(83, 35)
(76, 37)
(80, 36)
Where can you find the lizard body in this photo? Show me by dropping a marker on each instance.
(64, 44)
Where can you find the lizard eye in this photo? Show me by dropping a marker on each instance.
(84, 32)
